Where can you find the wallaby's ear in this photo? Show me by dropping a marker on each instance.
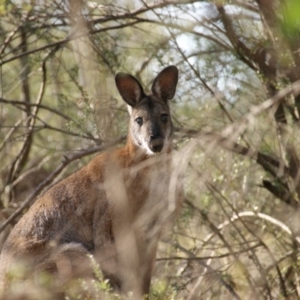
(164, 85)
(129, 88)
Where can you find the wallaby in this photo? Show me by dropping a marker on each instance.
(113, 208)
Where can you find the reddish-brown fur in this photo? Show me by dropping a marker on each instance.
(113, 208)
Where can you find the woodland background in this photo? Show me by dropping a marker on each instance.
(236, 116)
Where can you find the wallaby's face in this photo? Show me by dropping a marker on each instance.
(150, 121)
(150, 125)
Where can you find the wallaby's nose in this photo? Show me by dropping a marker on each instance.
(153, 137)
(156, 143)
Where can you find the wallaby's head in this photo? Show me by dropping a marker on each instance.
(150, 121)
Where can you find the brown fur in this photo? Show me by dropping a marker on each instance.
(113, 208)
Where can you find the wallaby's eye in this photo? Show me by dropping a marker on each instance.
(164, 118)
(139, 121)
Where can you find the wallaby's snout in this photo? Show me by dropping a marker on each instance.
(156, 144)
(157, 136)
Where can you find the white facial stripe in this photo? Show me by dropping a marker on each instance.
(146, 148)
(143, 145)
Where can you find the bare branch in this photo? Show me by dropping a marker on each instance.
(40, 106)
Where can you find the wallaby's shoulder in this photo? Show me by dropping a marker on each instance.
(80, 189)
(81, 181)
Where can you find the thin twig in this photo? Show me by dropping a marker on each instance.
(41, 106)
